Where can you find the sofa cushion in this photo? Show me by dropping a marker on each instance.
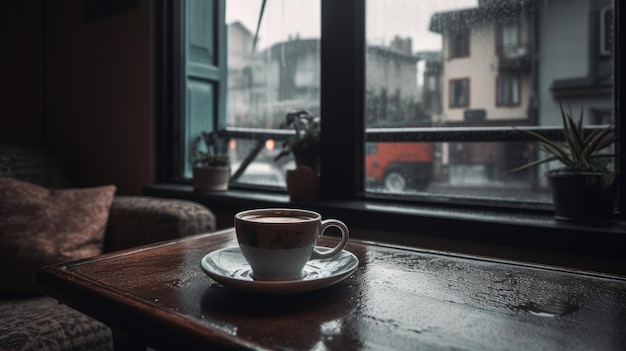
(40, 226)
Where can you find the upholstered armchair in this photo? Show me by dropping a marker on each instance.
(34, 188)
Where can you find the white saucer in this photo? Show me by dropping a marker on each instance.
(229, 267)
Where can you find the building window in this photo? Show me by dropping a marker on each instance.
(507, 90)
(459, 42)
(607, 31)
(508, 39)
(459, 93)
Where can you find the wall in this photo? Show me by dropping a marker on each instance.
(21, 74)
(100, 92)
(81, 89)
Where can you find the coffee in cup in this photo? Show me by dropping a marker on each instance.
(278, 242)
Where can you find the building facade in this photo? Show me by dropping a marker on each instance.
(500, 66)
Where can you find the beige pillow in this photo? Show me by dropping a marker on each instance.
(40, 226)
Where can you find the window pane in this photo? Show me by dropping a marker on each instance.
(508, 90)
(459, 42)
(460, 65)
(263, 170)
(508, 39)
(280, 74)
(459, 94)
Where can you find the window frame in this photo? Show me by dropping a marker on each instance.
(501, 48)
(454, 52)
(500, 78)
(342, 94)
(451, 84)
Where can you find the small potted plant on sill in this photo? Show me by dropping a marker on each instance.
(302, 182)
(211, 168)
(584, 188)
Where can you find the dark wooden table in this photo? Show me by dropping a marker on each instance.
(400, 298)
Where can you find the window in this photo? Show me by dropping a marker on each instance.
(459, 42)
(459, 92)
(508, 35)
(382, 90)
(607, 30)
(508, 90)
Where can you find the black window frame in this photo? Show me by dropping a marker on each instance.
(342, 96)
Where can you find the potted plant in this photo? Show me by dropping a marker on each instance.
(302, 182)
(584, 188)
(305, 143)
(211, 168)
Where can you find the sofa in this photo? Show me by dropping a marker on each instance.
(44, 220)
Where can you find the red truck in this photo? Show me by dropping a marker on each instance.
(399, 166)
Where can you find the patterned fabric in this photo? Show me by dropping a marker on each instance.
(34, 166)
(39, 226)
(135, 221)
(41, 323)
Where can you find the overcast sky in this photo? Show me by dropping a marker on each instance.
(385, 19)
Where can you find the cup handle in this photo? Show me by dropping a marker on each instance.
(344, 238)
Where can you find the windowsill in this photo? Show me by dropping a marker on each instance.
(532, 237)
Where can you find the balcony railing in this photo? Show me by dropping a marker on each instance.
(514, 58)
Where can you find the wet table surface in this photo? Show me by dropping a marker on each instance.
(400, 298)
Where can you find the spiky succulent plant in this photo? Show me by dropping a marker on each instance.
(579, 151)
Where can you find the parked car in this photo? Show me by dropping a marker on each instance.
(398, 166)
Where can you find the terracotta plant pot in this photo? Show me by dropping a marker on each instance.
(583, 197)
(302, 184)
(211, 178)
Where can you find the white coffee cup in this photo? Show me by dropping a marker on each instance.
(278, 242)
